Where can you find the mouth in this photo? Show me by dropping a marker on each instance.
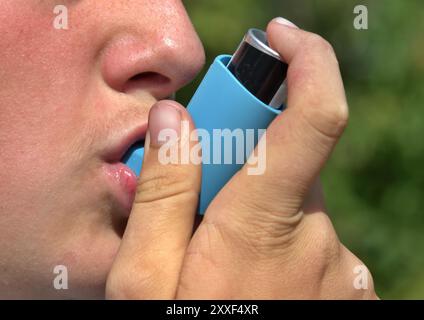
(120, 177)
(121, 157)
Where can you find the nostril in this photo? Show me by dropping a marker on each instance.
(151, 81)
(149, 76)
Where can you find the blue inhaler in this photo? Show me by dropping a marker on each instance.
(238, 97)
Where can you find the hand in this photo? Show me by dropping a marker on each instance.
(263, 237)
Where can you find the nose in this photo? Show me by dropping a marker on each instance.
(160, 54)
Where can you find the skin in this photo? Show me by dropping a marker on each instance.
(67, 95)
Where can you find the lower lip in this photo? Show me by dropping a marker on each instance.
(124, 184)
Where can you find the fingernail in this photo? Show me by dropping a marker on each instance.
(164, 123)
(285, 22)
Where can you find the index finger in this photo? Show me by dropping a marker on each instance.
(302, 137)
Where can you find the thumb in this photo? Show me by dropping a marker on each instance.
(161, 221)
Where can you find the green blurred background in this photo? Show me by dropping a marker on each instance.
(374, 182)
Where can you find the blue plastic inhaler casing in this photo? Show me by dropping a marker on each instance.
(220, 102)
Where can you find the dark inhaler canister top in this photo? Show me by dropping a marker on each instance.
(260, 69)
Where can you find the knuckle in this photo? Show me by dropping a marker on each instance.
(260, 231)
(319, 43)
(166, 184)
(323, 106)
(321, 241)
(366, 290)
(331, 264)
(320, 51)
(357, 283)
(330, 120)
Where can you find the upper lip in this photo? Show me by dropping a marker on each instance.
(122, 138)
(117, 150)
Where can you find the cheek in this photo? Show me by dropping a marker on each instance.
(43, 81)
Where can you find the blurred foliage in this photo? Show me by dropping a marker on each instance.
(374, 182)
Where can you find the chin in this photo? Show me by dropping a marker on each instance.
(88, 259)
(93, 264)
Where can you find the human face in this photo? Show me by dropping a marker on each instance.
(71, 103)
